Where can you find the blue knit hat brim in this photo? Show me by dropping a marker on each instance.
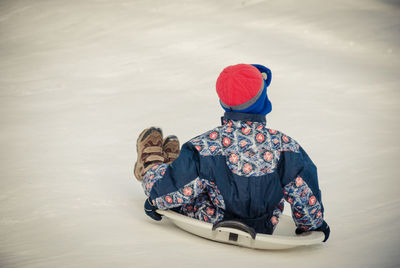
(262, 105)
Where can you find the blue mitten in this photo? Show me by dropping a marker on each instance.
(323, 228)
(151, 210)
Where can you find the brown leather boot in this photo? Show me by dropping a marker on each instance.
(149, 151)
(171, 148)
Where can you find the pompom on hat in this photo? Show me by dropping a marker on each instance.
(243, 88)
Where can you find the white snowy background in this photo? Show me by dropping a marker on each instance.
(79, 80)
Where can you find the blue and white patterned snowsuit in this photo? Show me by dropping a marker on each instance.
(243, 171)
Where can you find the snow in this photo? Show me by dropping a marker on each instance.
(79, 80)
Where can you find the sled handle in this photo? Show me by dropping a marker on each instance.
(236, 225)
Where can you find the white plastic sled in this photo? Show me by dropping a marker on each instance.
(237, 233)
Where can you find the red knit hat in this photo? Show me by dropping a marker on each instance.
(239, 86)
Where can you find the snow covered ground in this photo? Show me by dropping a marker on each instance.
(79, 80)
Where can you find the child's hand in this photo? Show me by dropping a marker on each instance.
(323, 228)
(150, 210)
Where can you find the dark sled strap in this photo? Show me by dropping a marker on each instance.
(236, 225)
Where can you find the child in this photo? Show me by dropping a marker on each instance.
(241, 170)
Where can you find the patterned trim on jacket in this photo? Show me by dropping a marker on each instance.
(199, 199)
(204, 208)
(250, 148)
(306, 210)
(151, 176)
(277, 213)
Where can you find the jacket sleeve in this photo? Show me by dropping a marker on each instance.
(300, 188)
(174, 185)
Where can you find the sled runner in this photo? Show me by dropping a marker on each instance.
(237, 233)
